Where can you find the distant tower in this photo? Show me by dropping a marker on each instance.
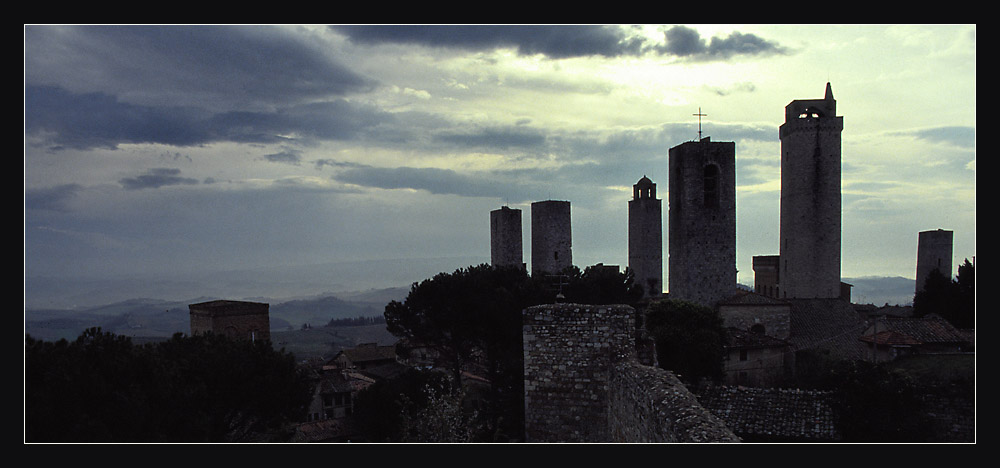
(505, 238)
(934, 250)
(234, 319)
(702, 221)
(551, 237)
(810, 199)
(767, 275)
(645, 237)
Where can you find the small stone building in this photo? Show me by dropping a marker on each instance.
(234, 319)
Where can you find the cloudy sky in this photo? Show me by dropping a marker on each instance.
(178, 148)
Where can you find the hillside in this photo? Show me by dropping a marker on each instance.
(151, 318)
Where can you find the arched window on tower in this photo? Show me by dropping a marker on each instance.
(711, 186)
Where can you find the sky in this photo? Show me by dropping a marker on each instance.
(170, 149)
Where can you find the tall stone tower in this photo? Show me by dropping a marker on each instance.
(645, 237)
(702, 221)
(505, 238)
(934, 251)
(551, 237)
(810, 199)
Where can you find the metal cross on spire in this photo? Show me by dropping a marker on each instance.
(700, 115)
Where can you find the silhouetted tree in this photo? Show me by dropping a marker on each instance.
(690, 339)
(954, 300)
(601, 285)
(474, 314)
(381, 409)
(470, 315)
(207, 388)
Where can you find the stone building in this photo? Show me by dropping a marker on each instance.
(645, 237)
(934, 251)
(767, 275)
(551, 237)
(702, 221)
(810, 220)
(234, 319)
(506, 248)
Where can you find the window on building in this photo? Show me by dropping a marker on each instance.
(743, 355)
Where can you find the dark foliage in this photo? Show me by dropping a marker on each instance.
(875, 404)
(690, 339)
(356, 321)
(600, 285)
(206, 388)
(954, 300)
(473, 315)
(379, 410)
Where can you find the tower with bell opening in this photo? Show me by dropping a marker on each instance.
(810, 220)
(645, 237)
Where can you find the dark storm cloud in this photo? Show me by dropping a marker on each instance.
(685, 42)
(499, 138)
(433, 180)
(95, 120)
(156, 178)
(285, 157)
(964, 137)
(52, 198)
(219, 64)
(563, 41)
(552, 41)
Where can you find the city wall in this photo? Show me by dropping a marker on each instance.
(583, 383)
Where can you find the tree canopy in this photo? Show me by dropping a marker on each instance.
(690, 339)
(954, 300)
(473, 315)
(205, 388)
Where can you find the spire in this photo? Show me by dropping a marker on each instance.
(829, 92)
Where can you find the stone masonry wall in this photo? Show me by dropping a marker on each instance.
(568, 349)
(649, 404)
(583, 383)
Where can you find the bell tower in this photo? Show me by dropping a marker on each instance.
(645, 237)
(810, 224)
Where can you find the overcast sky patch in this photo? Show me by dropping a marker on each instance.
(156, 178)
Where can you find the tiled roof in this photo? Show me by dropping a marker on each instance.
(772, 413)
(343, 382)
(368, 353)
(739, 338)
(925, 330)
(828, 325)
(751, 298)
(890, 338)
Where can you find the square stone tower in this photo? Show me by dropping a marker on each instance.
(235, 319)
(810, 199)
(551, 237)
(506, 248)
(702, 221)
(645, 237)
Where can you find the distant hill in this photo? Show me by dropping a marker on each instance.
(879, 290)
(159, 318)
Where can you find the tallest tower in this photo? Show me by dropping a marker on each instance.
(810, 198)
